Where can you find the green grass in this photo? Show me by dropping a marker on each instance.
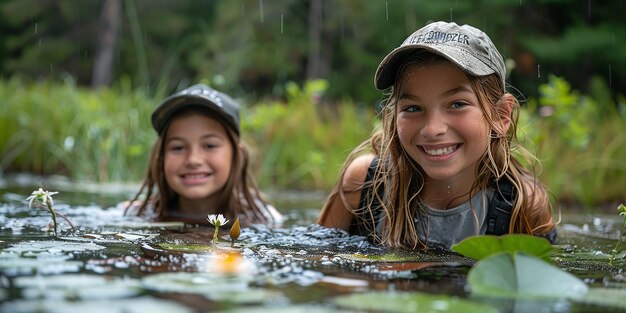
(105, 136)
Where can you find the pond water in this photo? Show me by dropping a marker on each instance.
(114, 263)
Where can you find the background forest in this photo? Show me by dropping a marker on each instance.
(80, 79)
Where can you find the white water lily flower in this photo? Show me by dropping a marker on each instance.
(46, 198)
(42, 195)
(217, 219)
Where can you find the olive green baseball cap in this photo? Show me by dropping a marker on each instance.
(466, 46)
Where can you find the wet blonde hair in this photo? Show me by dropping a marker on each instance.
(240, 196)
(403, 179)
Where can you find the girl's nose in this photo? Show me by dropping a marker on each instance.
(433, 126)
(194, 157)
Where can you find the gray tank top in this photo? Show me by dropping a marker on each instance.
(444, 228)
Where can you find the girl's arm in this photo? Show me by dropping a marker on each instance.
(337, 211)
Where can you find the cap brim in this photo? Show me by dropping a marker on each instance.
(388, 69)
(169, 107)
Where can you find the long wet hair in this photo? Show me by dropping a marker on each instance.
(240, 196)
(402, 179)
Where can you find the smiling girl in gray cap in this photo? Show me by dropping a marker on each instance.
(440, 168)
(198, 164)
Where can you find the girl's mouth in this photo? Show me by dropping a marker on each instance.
(194, 176)
(440, 151)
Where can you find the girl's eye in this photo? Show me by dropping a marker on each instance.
(176, 148)
(412, 108)
(457, 105)
(210, 146)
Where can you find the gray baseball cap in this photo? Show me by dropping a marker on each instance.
(466, 46)
(199, 96)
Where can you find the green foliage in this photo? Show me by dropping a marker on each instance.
(302, 143)
(62, 129)
(259, 46)
(578, 140)
(481, 247)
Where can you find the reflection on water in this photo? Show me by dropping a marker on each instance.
(134, 265)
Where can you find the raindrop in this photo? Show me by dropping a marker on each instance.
(261, 10)
(387, 10)
(613, 37)
(538, 70)
(39, 42)
(589, 8)
(451, 9)
(610, 72)
(281, 23)
(51, 70)
(36, 28)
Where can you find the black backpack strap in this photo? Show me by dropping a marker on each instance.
(500, 207)
(362, 224)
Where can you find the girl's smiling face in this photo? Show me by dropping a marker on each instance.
(197, 159)
(440, 123)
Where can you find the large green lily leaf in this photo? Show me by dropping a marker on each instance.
(410, 302)
(521, 276)
(480, 247)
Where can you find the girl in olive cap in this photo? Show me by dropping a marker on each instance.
(198, 164)
(441, 168)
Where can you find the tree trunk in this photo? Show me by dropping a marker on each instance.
(107, 39)
(320, 47)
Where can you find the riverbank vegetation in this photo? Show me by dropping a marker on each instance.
(298, 142)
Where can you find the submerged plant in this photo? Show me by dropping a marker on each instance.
(45, 197)
(217, 220)
(621, 209)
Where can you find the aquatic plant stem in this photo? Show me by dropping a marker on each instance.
(216, 232)
(622, 212)
(54, 216)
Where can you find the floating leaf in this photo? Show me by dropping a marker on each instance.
(77, 286)
(521, 276)
(410, 302)
(142, 304)
(387, 257)
(605, 297)
(480, 247)
(188, 247)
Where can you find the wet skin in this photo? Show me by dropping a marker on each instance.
(441, 126)
(197, 162)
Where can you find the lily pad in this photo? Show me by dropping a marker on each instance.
(480, 247)
(389, 257)
(213, 286)
(605, 297)
(132, 305)
(520, 276)
(165, 249)
(13, 264)
(410, 302)
(77, 286)
(53, 246)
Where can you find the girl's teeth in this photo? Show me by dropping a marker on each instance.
(194, 175)
(440, 151)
